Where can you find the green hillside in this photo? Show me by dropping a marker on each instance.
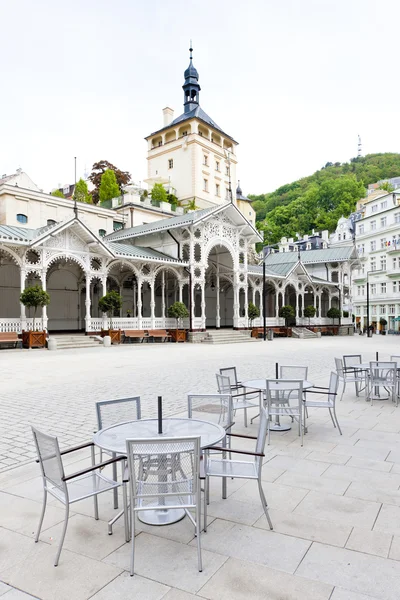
(318, 201)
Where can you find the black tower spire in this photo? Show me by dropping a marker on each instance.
(191, 87)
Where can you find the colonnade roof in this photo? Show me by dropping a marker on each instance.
(325, 255)
(140, 252)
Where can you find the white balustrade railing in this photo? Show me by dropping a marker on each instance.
(270, 322)
(15, 324)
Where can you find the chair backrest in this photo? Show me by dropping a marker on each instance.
(350, 360)
(333, 387)
(396, 358)
(293, 372)
(282, 391)
(230, 372)
(224, 384)
(382, 371)
(110, 412)
(49, 456)
(262, 435)
(211, 407)
(339, 366)
(161, 468)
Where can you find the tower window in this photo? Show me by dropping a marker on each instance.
(217, 189)
(171, 163)
(227, 170)
(217, 165)
(201, 133)
(22, 218)
(205, 162)
(51, 222)
(205, 185)
(184, 133)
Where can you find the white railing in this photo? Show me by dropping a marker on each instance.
(95, 325)
(317, 321)
(270, 322)
(15, 324)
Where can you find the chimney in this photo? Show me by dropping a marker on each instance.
(168, 116)
(325, 235)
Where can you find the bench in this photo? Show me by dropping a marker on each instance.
(159, 334)
(278, 331)
(135, 334)
(10, 337)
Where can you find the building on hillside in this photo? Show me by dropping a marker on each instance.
(192, 155)
(378, 246)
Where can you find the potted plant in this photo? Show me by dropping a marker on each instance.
(383, 323)
(287, 312)
(253, 312)
(33, 297)
(109, 303)
(333, 313)
(309, 312)
(178, 311)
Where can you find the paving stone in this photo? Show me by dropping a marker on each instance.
(370, 542)
(124, 586)
(339, 509)
(388, 520)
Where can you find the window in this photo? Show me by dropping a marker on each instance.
(170, 163)
(217, 189)
(384, 204)
(227, 194)
(382, 309)
(22, 218)
(373, 225)
(395, 287)
(359, 290)
(51, 222)
(360, 248)
(102, 232)
(383, 263)
(361, 228)
(394, 263)
(217, 167)
(383, 243)
(227, 170)
(373, 264)
(339, 237)
(344, 236)
(383, 288)
(392, 309)
(160, 143)
(374, 310)
(184, 133)
(397, 217)
(373, 245)
(374, 208)
(362, 290)
(383, 221)
(205, 185)
(205, 160)
(373, 288)
(117, 225)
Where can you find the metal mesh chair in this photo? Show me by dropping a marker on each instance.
(382, 375)
(164, 475)
(293, 372)
(242, 400)
(68, 488)
(329, 403)
(351, 373)
(251, 469)
(396, 358)
(284, 397)
(356, 377)
(110, 412)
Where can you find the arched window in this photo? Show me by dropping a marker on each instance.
(51, 222)
(102, 232)
(22, 218)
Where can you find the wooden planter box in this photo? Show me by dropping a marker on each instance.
(34, 339)
(115, 335)
(178, 335)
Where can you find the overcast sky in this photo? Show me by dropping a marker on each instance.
(293, 81)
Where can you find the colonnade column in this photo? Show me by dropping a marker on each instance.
(87, 304)
(217, 307)
(246, 302)
(44, 308)
(139, 303)
(104, 292)
(180, 291)
(121, 291)
(163, 294)
(297, 306)
(235, 303)
(22, 309)
(203, 304)
(276, 305)
(152, 303)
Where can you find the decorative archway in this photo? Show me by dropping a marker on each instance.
(65, 282)
(218, 285)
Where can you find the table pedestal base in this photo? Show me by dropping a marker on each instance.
(279, 427)
(161, 516)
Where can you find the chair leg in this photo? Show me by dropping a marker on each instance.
(64, 531)
(132, 538)
(333, 421)
(344, 387)
(126, 516)
(115, 477)
(206, 492)
(337, 422)
(198, 528)
(301, 427)
(42, 515)
(245, 417)
(224, 490)
(264, 503)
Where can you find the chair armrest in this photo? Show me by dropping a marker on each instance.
(320, 393)
(234, 451)
(246, 393)
(239, 435)
(202, 474)
(93, 468)
(75, 448)
(229, 427)
(318, 387)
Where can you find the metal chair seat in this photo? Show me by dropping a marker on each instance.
(231, 468)
(83, 487)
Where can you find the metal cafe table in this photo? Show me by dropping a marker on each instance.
(260, 384)
(113, 439)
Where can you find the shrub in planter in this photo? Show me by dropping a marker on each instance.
(110, 303)
(333, 313)
(253, 312)
(178, 311)
(309, 312)
(383, 323)
(33, 297)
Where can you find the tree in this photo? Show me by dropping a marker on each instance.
(158, 193)
(98, 169)
(33, 297)
(253, 312)
(178, 311)
(110, 303)
(191, 205)
(385, 185)
(287, 312)
(309, 312)
(382, 323)
(57, 194)
(81, 192)
(108, 187)
(333, 313)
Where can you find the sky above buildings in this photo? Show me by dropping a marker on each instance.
(293, 81)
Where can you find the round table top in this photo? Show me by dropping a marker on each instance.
(260, 384)
(114, 438)
(367, 366)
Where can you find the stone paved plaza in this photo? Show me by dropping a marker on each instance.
(335, 503)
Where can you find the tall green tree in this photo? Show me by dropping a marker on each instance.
(159, 193)
(57, 194)
(108, 186)
(81, 192)
(98, 170)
